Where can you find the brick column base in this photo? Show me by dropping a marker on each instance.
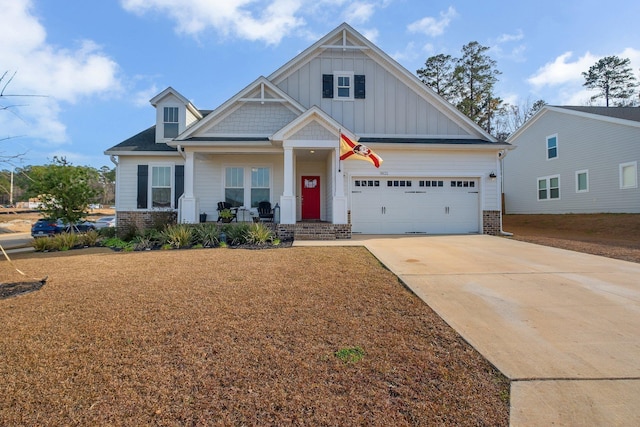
(491, 222)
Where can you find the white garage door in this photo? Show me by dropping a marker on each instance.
(415, 205)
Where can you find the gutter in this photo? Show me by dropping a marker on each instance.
(180, 149)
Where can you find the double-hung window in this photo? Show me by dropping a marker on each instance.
(629, 175)
(170, 121)
(161, 186)
(549, 187)
(247, 186)
(344, 86)
(234, 186)
(260, 186)
(582, 181)
(552, 147)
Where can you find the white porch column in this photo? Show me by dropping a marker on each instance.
(288, 199)
(339, 198)
(188, 206)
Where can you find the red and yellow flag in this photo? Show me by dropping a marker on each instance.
(351, 150)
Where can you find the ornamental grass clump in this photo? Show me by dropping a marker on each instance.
(177, 236)
(66, 241)
(206, 234)
(259, 234)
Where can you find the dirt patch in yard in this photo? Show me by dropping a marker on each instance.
(234, 337)
(611, 235)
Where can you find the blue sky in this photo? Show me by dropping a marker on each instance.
(97, 63)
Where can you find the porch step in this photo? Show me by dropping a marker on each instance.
(314, 236)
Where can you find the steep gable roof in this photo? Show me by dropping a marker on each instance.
(346, 38)
(172, 92)
(259, 91)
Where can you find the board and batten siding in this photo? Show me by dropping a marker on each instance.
(436, 163)
(390, 107)
(583, 144)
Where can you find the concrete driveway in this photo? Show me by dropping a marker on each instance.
(563, 326)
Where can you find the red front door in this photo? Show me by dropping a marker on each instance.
(310, 197)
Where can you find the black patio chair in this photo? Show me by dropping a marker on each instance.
(265, 212)
(226, 205)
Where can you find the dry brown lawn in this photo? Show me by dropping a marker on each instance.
(611, 235)
(233, 337)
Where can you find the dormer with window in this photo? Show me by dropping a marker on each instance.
(174, 114)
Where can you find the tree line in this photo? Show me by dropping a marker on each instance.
(468, 82)
(86, 184)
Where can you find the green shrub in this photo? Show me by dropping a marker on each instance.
(160, 220)
(236, 234)
(42, 244)
(127, 232)
(141, 243)
(116, 243)
(107, 232)
(66, 241)
(206, 234)
(258, 234)
(90, 238)
(177, 236)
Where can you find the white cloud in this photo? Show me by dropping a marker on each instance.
(141, 98)
(562, 70)
(503, 46)
(267, 21)
(431, 26)
(563, 76)
(59, 75)
(359, 12)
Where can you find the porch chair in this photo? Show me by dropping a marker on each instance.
(265, 212)
(226, 205)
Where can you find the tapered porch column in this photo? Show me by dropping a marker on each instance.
(188, 204)
(288, 200)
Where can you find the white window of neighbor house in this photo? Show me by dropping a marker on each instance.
(260, 186)
(549, 187)
(170, 122)
(582, 181)
(552, 147)
(629, 175)
(161, 187)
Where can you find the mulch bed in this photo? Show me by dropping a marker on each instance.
(234, 337)
(12, 289)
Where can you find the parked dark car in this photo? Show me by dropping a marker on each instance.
(48, 227)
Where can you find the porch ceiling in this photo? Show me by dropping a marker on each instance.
(312, 154)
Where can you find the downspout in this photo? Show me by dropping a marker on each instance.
(113, 159)
(501, 155)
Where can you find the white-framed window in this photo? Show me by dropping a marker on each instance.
(629, 175)
(161, 187)
(549, 187)
(170, 121)
(247, 186)
(234, 186)
(344, 85)
(260, 185)
(552, 147)
(582, 181)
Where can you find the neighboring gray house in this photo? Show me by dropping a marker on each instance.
(278, 140)
(574, 160)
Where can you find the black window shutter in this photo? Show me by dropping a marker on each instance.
(358, 81)
(179, 179)
(143, 186)
(327, 85)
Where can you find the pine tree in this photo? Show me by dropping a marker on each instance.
(614, 79)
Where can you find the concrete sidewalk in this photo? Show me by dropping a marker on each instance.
(563, 326)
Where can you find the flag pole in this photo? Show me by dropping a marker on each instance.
(339, 150)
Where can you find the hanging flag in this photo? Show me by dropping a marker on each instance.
(351, 150)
